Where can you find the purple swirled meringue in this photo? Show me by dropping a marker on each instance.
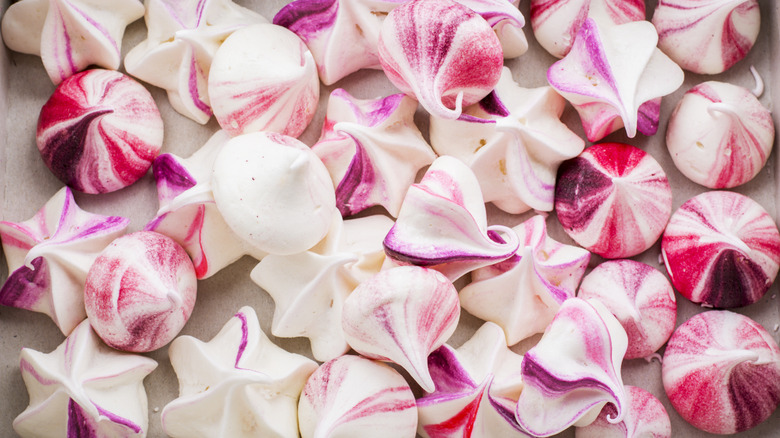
(401, 315)
(477, 386)
(84, 388)
(355, 396)
(645, 417)
(49, 255)
(69, 35)
(183, 37)
(448, 199)
(442, 53)
(516, 158)
(372, 149)
(238, 384)
(309, 288)
(707, 36)
(531, 285)
(615, 76)
(574, 370)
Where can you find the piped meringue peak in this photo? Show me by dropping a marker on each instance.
(614, 76)
(645, 417)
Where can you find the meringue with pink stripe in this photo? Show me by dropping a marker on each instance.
(645, 417)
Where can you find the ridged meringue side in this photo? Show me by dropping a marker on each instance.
(645, 417)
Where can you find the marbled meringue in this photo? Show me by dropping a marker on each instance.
(84, 388)
(49, 256)
(477, 386)
(183, 37)
(507, 22)
(354, 396)
(263, 78)
(449, 200)
(516, 158)
(69, 35)
(372, 149)
(614, 76)
(309, 288)
(531, 285)
(707, 36)
(402, 315)
(645, 417)
(238, 384)
(573, 371)
(442, 53)
(721, 372)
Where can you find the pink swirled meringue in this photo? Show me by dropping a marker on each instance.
(707, 36)
(721, 372)
(556, 22)
(238, 384)
(49, 255)
(372, 149)
(506, 20)
(645, 417)
(449, 199)
(84, 388)
(183, 37)
(574, 370)
(99, 131)
(354, 396)
(441, 53)
(614, 199)
(721, 249)
(720, 135)
(263, 78)
(69, 35)
(477, 386)
(516, 158)
(401, 315)
(309, 288)
(614, 76)
(531, 285)
(640, 297)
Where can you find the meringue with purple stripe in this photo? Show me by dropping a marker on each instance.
(645, 417)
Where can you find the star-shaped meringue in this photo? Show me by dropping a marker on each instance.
(49, 256)
(70, 35)
(531, 285)
(84, 388)
(183, 37)
(309, 288)
(239, 384)
(477, 386)
(372, 149)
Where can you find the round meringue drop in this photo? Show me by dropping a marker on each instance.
(273, 192)
(645, 417)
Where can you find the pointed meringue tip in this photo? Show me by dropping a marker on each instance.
(199, 194)
(717, 108)
(758, 90)
(300, 163)
(174, 298)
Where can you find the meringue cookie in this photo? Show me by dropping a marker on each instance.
(309, 288)
(49, 256)
(441, 53)
(263, 78)
(507, 22)
(645, 417)
(640, 297)
(721, 249)
(556, 22)
(614, 199)
(372, 149)
(449, 199)
(402, 315)
(183, 37)
(573, 371)
(69, 35)
(707, 36)
(477, 386)
(614, 76)
(84, 388)
(99, 131)
(720, 135)
(354, 396)
(516, 158)
(721, 372)
(531, 285)
(238, 384)
(273, 192)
